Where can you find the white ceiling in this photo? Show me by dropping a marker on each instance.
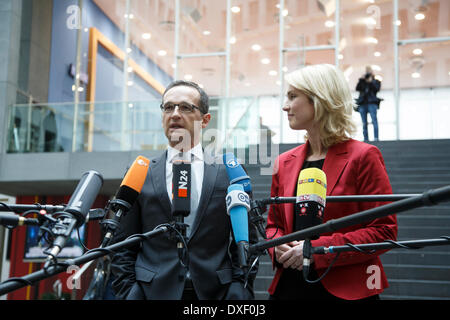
(257, 23)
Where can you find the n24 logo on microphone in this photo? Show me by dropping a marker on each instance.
(182, 184)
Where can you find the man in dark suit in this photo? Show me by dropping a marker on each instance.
(154, 269)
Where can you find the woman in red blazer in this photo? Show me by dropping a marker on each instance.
(319, 101)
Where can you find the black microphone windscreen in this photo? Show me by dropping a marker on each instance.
(84, 196)
(181, 189)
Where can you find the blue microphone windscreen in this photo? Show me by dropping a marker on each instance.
(236, 172)
(239, 218)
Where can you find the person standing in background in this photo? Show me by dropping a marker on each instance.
(368, 102)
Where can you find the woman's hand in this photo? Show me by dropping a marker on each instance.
(290, 255)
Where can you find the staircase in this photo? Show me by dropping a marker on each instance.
(413, 166)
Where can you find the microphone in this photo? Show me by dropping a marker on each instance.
(236, 172)
(238, 205)
(309, 206)
(126, 195)
(181, 189)
(237, 175)
(74, 214)
(13, 220)
(181, 204)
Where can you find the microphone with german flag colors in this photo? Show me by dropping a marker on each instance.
(309, 206)
(126, 195)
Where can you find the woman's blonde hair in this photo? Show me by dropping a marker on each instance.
(328, 90)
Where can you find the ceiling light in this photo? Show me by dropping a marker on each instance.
(146, 36)
(235, 9)
(130, 83)
(162, 53)
(415, 75)
(340, 56)
(206, 33)
(329, 24)
(377, 53)
(265, 61)
(371, 22)
(285, 12)
(131, 16)
(419, 16)
(372, 40)
(417, 51)
(256, 47)
(379, 78)
(376, 67)
(188, 77)
(130, 69)
(272, 73)
(129, 50)
(233, 40)
(398, 22)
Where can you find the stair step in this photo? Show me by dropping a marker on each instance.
(428, 288)
(413, 271)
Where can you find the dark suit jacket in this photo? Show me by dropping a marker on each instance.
(153, 270)
(368, 91)
(351, 167)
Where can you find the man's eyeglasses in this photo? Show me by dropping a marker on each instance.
(183, 107)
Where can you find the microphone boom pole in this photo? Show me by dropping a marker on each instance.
(345, 198)
(30, 279)
(367, 247)
(428, 198)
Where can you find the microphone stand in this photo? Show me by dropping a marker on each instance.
(17, 283)
(428, 198)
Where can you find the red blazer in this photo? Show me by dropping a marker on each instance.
(351, 168)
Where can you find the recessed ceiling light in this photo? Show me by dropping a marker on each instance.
(265, 61)
(272, 73)
(377, 53)
(398, 23)
(130, 83)
(162, 53)
(415, 75)
(417, 51)
(129, 50)
(376, 67)
(256, 47)
(233, 40)
(188, 77)
(206, 33)
(419, 16)
(329, 24)
(372, 40)
(235, 9)
(340, 56)
(146, 36)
